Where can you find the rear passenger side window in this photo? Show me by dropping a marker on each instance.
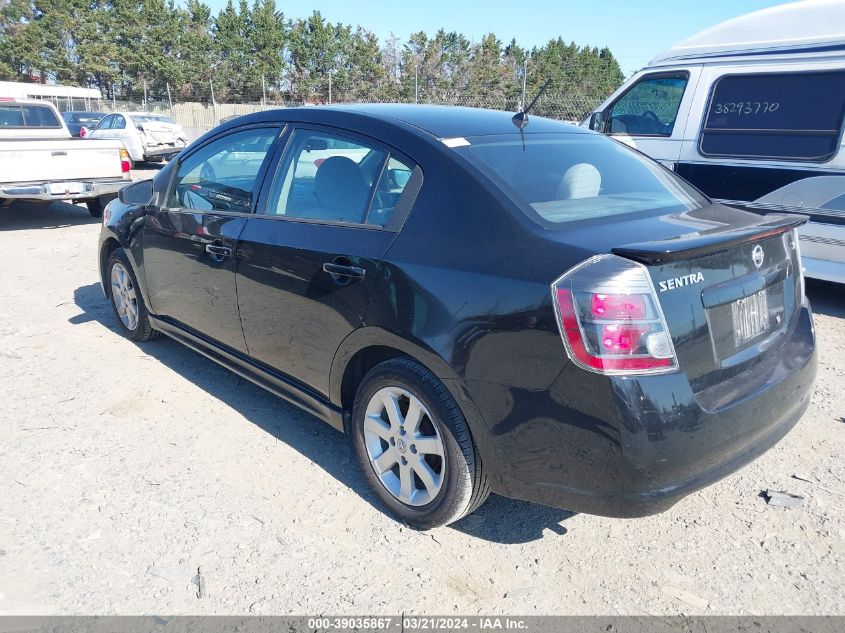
(221, 175)
(328, 177)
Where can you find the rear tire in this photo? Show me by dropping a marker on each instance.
(95, 207)
(423, 466)
(126, 300)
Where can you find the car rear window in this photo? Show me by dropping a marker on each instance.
(152, 118)
(27, 115)
(570, 177)
(791, 116)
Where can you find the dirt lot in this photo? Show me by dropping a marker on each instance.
(124, 468)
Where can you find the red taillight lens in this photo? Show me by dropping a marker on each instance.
(618, 306)
(622, 338)
(125, 162)
(319, 161)
(83, 132)
(610, 319)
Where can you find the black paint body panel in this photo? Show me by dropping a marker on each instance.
(464, 288)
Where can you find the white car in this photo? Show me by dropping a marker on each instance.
(147, 137)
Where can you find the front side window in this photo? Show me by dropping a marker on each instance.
(118, 123)
(569, 177)
(28, 115)
(332, 178)
(221, 175)
(791, 116)
(649, 108)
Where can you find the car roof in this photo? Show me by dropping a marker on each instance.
(440, 122)
(453, 121)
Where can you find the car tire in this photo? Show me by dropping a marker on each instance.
(443, 488)
(95, 207)
(126, 300)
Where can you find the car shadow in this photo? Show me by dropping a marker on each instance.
(56, 215)
(826, 297)
(500, 520)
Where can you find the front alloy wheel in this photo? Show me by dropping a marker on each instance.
(126, 301)
(123, 296)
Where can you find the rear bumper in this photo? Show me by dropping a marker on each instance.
(163, 151)
(629, 447)
(61, 190)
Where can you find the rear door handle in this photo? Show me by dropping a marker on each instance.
(218, 251)
(341, 270)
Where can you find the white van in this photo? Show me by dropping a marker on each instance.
(751, 112)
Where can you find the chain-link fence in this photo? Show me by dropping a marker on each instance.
(199, 115)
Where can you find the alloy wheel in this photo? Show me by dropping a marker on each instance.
(404, 446)
(123, 296)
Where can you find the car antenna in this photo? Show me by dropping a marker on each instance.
(520, 119)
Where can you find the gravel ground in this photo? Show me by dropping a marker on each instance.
(125, 469)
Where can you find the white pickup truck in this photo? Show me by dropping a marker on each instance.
(39, 160)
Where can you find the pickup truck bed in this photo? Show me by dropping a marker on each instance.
(41, 161)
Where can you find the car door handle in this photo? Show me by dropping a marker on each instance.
(218, 250)
(341, 270)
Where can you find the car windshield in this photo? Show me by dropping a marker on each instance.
(152, 118)
(569, 177)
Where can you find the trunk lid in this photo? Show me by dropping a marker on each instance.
(728, 284)
(162, 132)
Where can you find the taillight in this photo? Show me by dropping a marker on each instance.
(610, 319)
(793, 240)
(125, 162)
(83, 132)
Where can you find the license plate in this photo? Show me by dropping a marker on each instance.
(64, 188)
(750, 317)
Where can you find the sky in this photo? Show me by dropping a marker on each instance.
(635, 30)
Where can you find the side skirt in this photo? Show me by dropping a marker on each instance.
(274, 382)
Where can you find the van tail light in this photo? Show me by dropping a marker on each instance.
(125, 163)
(610, 318)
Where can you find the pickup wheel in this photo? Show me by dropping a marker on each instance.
(126, 300)
(415, 447)
(95, 207)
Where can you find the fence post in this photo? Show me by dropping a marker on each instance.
(113, 99)
(169, 99)
(330, 87)
(213, 102)
(145, 95)
(524, 81)
(263, 94)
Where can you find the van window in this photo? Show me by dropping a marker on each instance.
(649, 107)
(790, 116)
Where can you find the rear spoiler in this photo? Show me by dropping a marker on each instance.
(679, 248)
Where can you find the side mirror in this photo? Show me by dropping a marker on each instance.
(139, 193)
(597, 122)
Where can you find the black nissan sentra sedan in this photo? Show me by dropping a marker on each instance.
(540, 312)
